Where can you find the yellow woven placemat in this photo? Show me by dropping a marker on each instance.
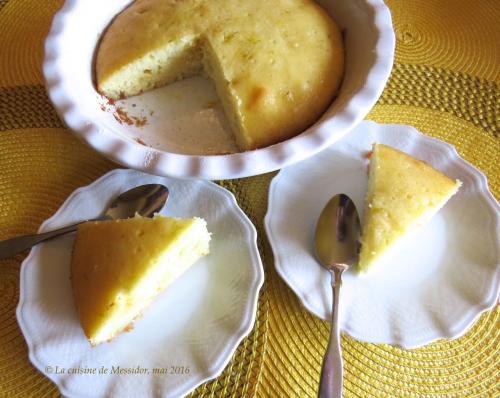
(445, 82)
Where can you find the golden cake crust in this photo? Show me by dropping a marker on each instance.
(276, 64)
(403, 194)
(117, 268)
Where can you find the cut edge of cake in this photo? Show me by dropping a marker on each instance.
(160, 66)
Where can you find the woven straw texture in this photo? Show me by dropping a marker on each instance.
(445, 82)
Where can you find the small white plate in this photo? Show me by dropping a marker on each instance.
(183, 119)
(189, 333)
(433, 286)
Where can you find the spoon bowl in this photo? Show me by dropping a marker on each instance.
(145, 200)
(337, 233)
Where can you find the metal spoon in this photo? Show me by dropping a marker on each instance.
(144, 200)
(337, 248)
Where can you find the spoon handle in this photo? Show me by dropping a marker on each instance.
(331, 379)
(10, 247)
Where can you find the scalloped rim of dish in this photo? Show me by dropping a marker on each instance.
(241, 164)
(246, 325)
(463, 325)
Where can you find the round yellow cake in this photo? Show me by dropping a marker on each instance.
(276, 64)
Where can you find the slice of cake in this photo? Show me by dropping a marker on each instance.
(403, 194)
(119, 266)
(276, 65)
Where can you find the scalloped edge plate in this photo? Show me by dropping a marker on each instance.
(211, 308)
(69, 48)
(439, 280)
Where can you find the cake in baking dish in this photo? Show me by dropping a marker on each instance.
(276, 65)
(403, 194)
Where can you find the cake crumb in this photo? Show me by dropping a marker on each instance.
(139, 122)
(210, 105)
(120, 115)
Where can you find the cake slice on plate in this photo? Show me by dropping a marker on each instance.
(403, 194)
(118, 267)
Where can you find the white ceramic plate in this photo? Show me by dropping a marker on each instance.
(433, 286)
(186, 115)
(190, 332)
